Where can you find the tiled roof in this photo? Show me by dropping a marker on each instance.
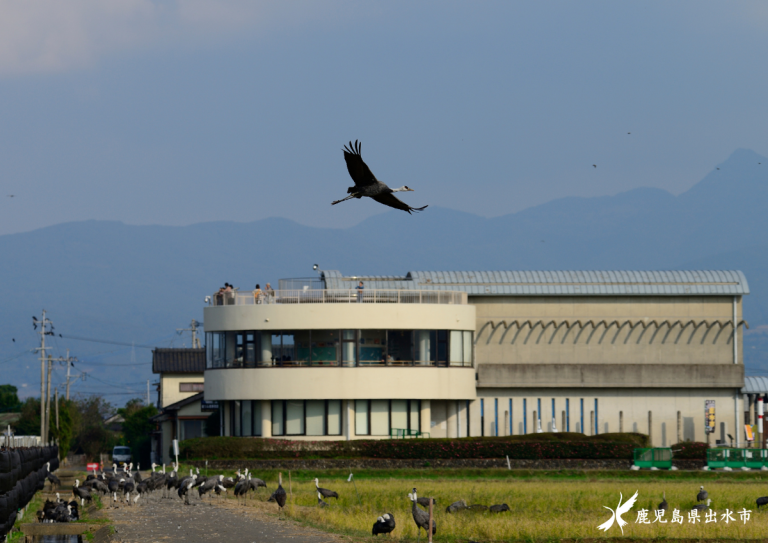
(557, 283)
(178, 361)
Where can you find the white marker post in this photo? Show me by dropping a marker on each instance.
(760, 408)
(176, 450)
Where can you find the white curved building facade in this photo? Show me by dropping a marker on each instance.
(454, 354)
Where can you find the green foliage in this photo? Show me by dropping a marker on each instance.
(91, 437)
(690, 450)
(532, 447)
(29, 423)
(69, 418)
(9, 399)
(137, 430)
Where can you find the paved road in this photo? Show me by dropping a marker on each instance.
(164, 520)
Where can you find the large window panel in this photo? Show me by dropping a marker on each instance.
(325, 347)
(237, 428)
(257, 418)
(399, 347)
(247, 418)
(415, 415)
(361, 418)
(426, 345)
(302, 342)
(400, 414)
(315, 417)
(380, 417)
(294, 417)
(456, 347)
(372, 347)
(278, 425)
(334, 417)
(467, 345)
(348, 348)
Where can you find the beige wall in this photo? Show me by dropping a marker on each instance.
(169, 386)
(633, 404)
(339, 316)
(385, 383)
(628, 342)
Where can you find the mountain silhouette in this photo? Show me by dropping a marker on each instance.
(123, 283)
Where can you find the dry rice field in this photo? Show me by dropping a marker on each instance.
(541, 509)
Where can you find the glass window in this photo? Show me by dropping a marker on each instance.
(278, 428)
(191, 429)
(325, 345)
(315, 417)
(442, 347)
(237, 428)
(400, 414)
(399, 347)
(334, 417)
(256, 417)
(247, 418)
(372, 347)
(191, 387)
(361, 418)
(301, 347)
(348, 348)
(415, 415)
(218, 350)
(467, 345)
(425, 347)
(457, 351)
(294, 417)
(380, 417)
(288, 355)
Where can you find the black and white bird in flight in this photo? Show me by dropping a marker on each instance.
(366, 183)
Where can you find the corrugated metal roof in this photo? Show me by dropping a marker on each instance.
(557, 283)
(178, 360)
(755, 385)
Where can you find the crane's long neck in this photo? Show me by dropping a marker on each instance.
(401, 189)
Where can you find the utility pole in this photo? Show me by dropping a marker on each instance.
(57, 410)
(48, 402)
(69, 365)
(43, 332)
(147, 392)
(193, 329)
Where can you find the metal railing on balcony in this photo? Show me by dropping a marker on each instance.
(339, 296)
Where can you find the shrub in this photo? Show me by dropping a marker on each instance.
(690, 450)
(529, 447)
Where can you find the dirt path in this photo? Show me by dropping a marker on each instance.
(159, 519)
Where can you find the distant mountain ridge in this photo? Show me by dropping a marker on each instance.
(102, 279)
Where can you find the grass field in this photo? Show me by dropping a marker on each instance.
(544, 506)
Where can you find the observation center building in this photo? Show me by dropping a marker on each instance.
(456, 354)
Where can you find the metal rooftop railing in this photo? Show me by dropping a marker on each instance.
(339, 296)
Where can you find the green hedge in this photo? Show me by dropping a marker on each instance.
(529, 447)
(690, 450)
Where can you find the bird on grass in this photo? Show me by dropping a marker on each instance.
(324, 491)
(702, 495)
(320, 502)
(424, 502)
(762, 501)
(81, 492)
(366, 183)
(279, 495)
(663, 505)
(55, 482)
(384, 524)
(421, 517)
(499, 508)
(702, 506)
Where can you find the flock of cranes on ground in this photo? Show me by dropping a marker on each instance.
(130, 482)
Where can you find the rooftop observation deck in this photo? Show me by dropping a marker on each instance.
(338, 296)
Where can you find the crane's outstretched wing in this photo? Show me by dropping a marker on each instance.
(389, 199)
(607, 524)
(358, 170)
(621, 509)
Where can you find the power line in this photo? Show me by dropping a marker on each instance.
(107, 342)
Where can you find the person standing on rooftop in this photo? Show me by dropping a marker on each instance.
(359, 288)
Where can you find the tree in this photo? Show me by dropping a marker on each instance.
(91, 436)
(137, 430)
(9, 398)
(29, 423)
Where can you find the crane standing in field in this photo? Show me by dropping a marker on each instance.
(366, 183)
(421, 517)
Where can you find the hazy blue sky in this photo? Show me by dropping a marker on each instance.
(175, 112)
